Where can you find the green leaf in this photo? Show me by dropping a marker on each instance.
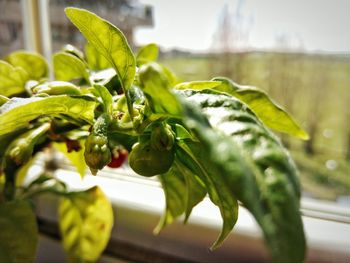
(155, 85)
(86, 220)
(68, 67)
(195, 188)
(183, 191)
(255, 167)
(19, 232)
(174, 187)
(106, 97)
(95, 60)
(194, 156)
(12, 79)
(56, 87)
(76, 158)
(70, 49)
(271, 114)
(108, 40)
(19, 112)
(33, 63)
(147, 54)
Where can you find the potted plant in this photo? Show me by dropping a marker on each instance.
(199, 138)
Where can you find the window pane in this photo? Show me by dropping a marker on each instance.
(11, 34)
(284, 47)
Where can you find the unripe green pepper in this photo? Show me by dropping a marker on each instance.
(21, 149)
(56, 88)
(148, 161)
(97, 153)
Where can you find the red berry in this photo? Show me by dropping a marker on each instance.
(118, 158)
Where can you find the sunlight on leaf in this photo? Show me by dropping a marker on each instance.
(19, 112)
(94, 59)
(34, 64)
(147, 54)
(68, 67)
(107, 40)
(12, 79)
(156, 85)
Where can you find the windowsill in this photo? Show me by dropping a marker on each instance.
(139, 203)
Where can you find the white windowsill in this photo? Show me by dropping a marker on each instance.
(138, 205)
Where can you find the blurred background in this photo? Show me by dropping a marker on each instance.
(298, 51)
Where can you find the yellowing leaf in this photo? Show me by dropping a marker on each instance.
(86, 220)
(76, 158)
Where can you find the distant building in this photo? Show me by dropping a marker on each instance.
(126, 14)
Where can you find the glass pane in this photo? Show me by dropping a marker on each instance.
(11, 34)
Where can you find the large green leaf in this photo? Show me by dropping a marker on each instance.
(68, 67)
(194, 157)
(183, 191)
(86, 220)
(147, 54)
(156, 86)
(271, 114)
(174, 187)
(33, 63)
(12, 79)
(195, 188)
(108, 40)
(94, 59)
(254, 165)
(19, 232)
(19, 112)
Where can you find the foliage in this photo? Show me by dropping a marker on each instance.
(199, 138)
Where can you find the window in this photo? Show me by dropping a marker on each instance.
(302, 63)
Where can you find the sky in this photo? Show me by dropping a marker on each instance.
(309, 25)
